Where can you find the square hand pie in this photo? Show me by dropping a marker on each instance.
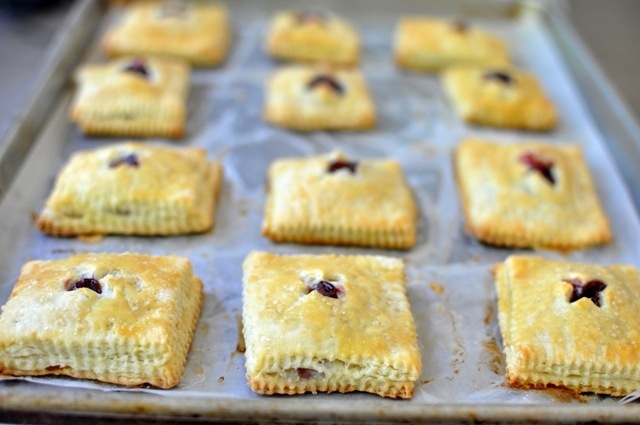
(428, 44)
(134, 97)
(312, 37)
(125, 318)
(197, 32)
(332, 200)
(571, 325)
(310, 98)
(328, 323)
(529, 195)
(133, 189)
(499, 98)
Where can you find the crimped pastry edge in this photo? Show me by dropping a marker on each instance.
(270, 386)
(394, 238)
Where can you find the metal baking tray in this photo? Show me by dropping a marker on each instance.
(450, 287)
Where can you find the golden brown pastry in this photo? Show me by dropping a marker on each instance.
(530, 195)
(132, 97)
(122, 318)
(133, 189)
(309, 98)
(328, 323)
(431, 45)
(499, 97)
(570, 325)
(195, 31)
(312, 37)
(331, 199)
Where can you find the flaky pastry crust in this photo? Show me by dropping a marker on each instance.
(371, 205)
(430, 45)
(508, 203)
(196, 32)
(133, 189)
(299, 340)
(551, 341)
(136, 331)
(321, 38)
(111, 101)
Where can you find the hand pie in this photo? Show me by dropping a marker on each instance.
(330, 199)
(570, 325)
(197, 32)
(312, 37)
(428, 44)
(133, 97)
(310, 98)
(328, 323)
(529, 195)
(122, 318)
(133, 189)
(499, 97)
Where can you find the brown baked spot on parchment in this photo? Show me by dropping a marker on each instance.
(489, 313)
(90, 238)
(496, 359)
(436, 288)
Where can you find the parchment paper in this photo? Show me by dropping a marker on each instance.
(450, 286)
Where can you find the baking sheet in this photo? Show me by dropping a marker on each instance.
(450, 288)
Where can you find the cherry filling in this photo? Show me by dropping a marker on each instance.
(459, 26)
(340, 164)
(130, 160)
(327, 80)
(534, 162)
(327, 289)
(304, 17)
(592, 290)
(87, 282)
(305, 373)
(502, 77)
(138, 66)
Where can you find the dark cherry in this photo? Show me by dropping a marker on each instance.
(459, 26)
(340, 164)
(304, 17)
(502, 77)
(327, 289)
(305, 373)
(130, 160)
(534, 162)
(328, 80)
(138, 66)
(87, 282)
(592, 290)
